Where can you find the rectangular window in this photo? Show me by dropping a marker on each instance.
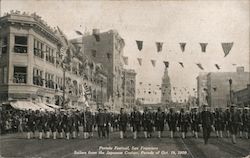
(49, 83)
(4, 45)
(20, 74)
(5, 74)
(37, 77)
(38, 49)
(21, 44)
(49, 54)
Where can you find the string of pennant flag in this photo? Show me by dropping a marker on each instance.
(159, 46)
(166, 63)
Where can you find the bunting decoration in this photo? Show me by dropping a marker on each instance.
(153, 62)
(181, 64)
(200, 66)
(159, 46)
(78, 32)
(139, 45)
(166, 63)
(217, 66)
(227, 47)
(125, 59)
(234, 64)
(139, 61)
(182, 45)
(203, 47)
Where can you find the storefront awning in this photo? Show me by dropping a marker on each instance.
(25, 105)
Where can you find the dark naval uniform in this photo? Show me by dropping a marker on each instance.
(206, 121)
(123, 120)
(100, 121)
(195, 120)
(172, 121)
(135, 120)
(88, 121)
(159, 120)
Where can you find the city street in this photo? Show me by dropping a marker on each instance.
(14, 145)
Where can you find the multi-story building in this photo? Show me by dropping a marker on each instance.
(34, 66)
(148, 93)
(242, 97)
(107, 48)
(129, 86)
(217, 86)
(166, 89)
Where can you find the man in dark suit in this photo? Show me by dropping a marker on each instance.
(135, 120)
(107, 124)
(123, 120)
(206, 121)
(100, 121)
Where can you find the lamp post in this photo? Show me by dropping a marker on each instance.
(230, 90)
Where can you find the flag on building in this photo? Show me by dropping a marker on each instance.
(227, 47)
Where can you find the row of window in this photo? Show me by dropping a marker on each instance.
(21, 46)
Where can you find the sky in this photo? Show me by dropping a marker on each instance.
(170, 22)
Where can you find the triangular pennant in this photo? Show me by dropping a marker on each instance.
(153, 62)
(166, 64)
(125, 59)
(217, 66)
(182, 45)
(78, 32)
(234, 64)
(139, 45)
(203, 47)
(181, 63)
(139, 61)
(159, 46)
(227, 47)
(214, 88)
(200, 66)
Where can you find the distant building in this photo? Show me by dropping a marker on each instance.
(166, 89)
(129, 86)
(242, 97)
(148, 93)
(216, 86)
(36, 65)
(107, 48)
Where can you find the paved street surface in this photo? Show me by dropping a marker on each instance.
(15, 145)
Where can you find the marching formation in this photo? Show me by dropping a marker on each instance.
(66, 124)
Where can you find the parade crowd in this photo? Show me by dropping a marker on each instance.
(231, 122)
